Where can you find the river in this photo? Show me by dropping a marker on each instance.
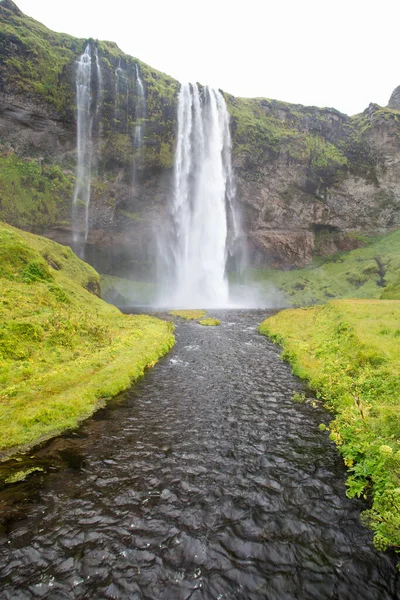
(203, 481)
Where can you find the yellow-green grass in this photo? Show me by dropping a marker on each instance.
(189, 315)
(210, 322)
(369, 272)
(63, 351)
(349, 351)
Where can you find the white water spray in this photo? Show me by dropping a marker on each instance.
(85, 121)
(193, 257)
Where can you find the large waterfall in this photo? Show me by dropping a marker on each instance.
(203, 226)
(87, 115)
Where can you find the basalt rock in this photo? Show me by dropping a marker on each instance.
(394, 101)
(309, 180)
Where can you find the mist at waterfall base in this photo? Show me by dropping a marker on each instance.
(202, 233)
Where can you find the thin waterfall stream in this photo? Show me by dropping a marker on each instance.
(89, 83)
(81, 199)
(140, 116)
(203, 481)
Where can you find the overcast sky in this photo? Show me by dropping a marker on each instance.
(344, 54)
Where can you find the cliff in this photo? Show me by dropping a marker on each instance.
(309, 180)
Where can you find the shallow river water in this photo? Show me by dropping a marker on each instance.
(205, 480)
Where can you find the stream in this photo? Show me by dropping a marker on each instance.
(205, 480)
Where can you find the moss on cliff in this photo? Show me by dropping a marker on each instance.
(35, 60)
(63, 351)
(266, 130)
(34, 195)
(40, 65)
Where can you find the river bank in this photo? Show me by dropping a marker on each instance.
(203, 480)
(63, 351)
(349, 352)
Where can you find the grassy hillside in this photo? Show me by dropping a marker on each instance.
(369, 272)
(349, 351)
(63, 350)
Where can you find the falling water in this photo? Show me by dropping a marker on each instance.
(81, 199)
(87, 115)
(140, 115)
(204, 226)
(121, 86)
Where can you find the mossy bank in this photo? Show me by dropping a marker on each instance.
(349, 351)
(63, 350)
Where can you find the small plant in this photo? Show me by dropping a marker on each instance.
(296, 397)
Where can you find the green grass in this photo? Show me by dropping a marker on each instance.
(63, 351)
(189, 315)
(349, 351)
(210, 322)
(369, 272)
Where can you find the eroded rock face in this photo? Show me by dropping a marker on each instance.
(394, 101)
(292, 210)
(309, 180)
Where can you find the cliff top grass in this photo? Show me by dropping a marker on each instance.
(349, 351)
(63, 351)
(369, 272)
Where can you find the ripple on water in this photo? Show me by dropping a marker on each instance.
(203, 482)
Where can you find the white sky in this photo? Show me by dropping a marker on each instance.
(344, 54)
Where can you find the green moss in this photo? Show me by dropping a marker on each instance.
(392, 291)
(349, 351)
(355, 274)
(189, 315)
(33, 195)
(35, 59)
(210, 322)
(63, 351)
(22, 475)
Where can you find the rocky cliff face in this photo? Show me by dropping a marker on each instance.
(309, 180)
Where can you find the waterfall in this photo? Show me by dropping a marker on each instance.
(203, 225)
(87, 115)
(121, 81)
(140, 115)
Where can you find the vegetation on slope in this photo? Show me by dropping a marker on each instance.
(369, 272)
(35, 58)
(41, 65)
(349, 351)
(266, 127)
(63, 351)
(34, 195)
